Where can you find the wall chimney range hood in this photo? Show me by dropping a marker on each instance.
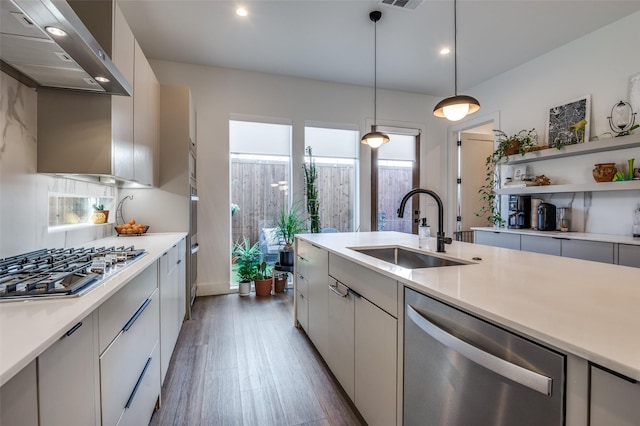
(75, 61)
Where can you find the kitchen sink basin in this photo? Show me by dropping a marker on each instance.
(407, 258)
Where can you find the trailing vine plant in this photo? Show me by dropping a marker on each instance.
(522, 142)
(311, 192)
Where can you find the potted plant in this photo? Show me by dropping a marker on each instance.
(289, 223)
(520, 143)
(311, 191)
(263, 280)
(247, 258)
(280, 282)
(100, 215)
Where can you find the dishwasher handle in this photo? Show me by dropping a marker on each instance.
(531, 379)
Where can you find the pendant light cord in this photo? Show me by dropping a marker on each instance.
(375, 74)
(455, 49)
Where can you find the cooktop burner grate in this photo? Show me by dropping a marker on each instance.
(61, 272)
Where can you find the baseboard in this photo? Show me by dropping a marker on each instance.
(212, 289)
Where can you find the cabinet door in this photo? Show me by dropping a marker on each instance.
(169, 309)
(629, 255)
(498, 239)
(317, 274)
(68, 390)
(303, 311)
(341, 338)
(376, 344)
(143, 145)
(537, 244)
(182, 282)
(19, 398)
(142, 399)
(122, 106)
(588, 250)
(614, 400)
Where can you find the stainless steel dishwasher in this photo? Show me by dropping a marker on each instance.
(462, 370)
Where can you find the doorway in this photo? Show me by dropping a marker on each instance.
(470, 144)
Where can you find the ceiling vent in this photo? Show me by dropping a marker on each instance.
(402, 4)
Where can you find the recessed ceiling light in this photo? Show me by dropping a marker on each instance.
(55, 31)
(102, 79)
(445, 51)
(241, 11)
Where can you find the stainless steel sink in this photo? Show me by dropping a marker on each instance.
(407, 258)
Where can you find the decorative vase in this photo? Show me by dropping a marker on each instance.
(630, 169)
(263, 287)
(244, 288)
(604, 172)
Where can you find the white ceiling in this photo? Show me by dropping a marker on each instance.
(332, 40)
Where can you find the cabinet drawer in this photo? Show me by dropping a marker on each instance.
(19, 398)
(498, 239)
(143, 400)
(303, 311)
(544, 245)
(629, 255)
(588, 250)
(380, 290)
(302, 285)
(613, 400)
(115, 312)
(123, 362)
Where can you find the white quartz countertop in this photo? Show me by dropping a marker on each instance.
(588, 309)
(587, 236)
(28, 327)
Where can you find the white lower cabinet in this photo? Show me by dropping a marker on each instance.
(70, 367)
(498, 239)
(19, 398)
(376, 351)
(629, 255)
(341, 357)
(614, 400)
(172, 302)
(596, 251)
(129, 365)
(316, 261)
(544, 245)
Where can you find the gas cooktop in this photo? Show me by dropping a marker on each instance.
(62, 272)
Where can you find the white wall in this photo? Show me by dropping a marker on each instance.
(598, 64)
(23, 193)
(218, 92)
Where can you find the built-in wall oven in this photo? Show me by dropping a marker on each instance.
(193, 230)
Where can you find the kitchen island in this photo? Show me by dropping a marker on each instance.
(584, 310)
(104, 347)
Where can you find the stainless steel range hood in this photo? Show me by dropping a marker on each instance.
(74, 61)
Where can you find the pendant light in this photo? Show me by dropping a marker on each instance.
(375, 139)
(458, 106)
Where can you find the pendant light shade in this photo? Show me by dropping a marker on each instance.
(456, 107)
(375, 139)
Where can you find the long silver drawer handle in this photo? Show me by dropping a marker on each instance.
(528, 378)
(333, 289)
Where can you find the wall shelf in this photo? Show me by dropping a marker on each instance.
(627, 185)
(612, 144)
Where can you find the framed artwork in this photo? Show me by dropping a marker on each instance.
(568, 124)
(634, 93)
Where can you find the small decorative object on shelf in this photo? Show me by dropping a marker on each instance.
(128, 228)
(542, 180)
(604, 172)
(568, 124)
(630, 169)
(622, 119)
(100, 215)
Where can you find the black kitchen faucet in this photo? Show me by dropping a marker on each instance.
(441, 239)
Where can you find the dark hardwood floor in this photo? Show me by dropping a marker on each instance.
(240, 361)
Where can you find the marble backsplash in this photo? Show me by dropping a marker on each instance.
(23, 192)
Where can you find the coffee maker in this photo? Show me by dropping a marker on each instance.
(519, 212)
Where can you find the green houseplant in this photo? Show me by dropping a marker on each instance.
(247, 258)
(263, 280)
(520, 143)
(289, 223)
(311, 191)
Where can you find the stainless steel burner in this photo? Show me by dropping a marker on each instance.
(61, 272)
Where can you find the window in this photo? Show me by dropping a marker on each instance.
(395, 171)
(335, 153)
(260, 170)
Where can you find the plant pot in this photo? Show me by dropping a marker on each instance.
(263, 287)
(244, 288)
(286, 257)
(512, 147)
(281, 283)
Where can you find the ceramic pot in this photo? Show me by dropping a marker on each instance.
(604, 172)
(244, 288)
(263, 287)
